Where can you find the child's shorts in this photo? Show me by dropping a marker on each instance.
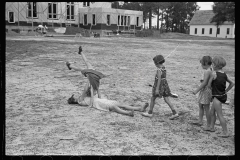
(222, 98)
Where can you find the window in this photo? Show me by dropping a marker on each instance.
(228, 30)
(210, 31)
(121, 20)
(218, 31)
(93, 19)
(11, 18)
(31, 9)
(86, 4)
(52, 10)
(70, 10)
(137, 21)
(195, 30)
(85, 19)
(202, 30)
(128, 20)
(125, 20)
(108, 20)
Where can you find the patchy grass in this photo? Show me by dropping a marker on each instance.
(39, 120)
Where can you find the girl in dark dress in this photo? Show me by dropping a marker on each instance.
(219, 94)
(160, 88)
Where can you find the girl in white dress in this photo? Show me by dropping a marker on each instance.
(91, 96)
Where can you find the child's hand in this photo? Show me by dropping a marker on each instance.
(194, 92)
(68, 65)
(80, 50)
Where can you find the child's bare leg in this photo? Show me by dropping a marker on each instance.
(212, 119)
(153, 98)
(135, 108)
(89, 65)
(206, 108)
(218, 107)
(76, 68)
(200, 115)
(70, 66)
(119, 110)
(166, 99)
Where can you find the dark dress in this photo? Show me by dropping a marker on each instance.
(219, 87)
(164, 90)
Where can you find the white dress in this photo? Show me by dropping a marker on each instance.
(101, 103)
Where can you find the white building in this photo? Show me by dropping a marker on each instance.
(87, 15)
(201, 25)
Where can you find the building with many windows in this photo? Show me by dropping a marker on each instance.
(88, 15)
(200, 25)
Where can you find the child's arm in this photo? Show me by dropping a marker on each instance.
(231, 84)
(204, 83)
(159, 73)
(99, 94)
(211, 78)
(91, 100)
(83, 95)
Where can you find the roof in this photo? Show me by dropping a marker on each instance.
(203, 17)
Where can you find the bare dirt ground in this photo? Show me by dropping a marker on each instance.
(39, 121)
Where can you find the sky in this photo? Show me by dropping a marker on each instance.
(203, 6)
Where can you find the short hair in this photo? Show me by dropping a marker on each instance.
(161, 62)
(158, 59)
(206, 60)
(219, 62)
(72, 100)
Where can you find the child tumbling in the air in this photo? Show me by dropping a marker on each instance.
(218, 81)
(160, 88)
(205, 91)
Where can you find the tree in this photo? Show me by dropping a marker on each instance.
(159, 6)
(224, 11)
(178, 15)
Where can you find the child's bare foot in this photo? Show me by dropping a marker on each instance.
(145, 114)
(131, 113)
(224, 135)
(174, 116)
(143, 109)
(208, 129)
(80, 50)
(197, 123)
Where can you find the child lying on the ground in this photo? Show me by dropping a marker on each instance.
(89, 98)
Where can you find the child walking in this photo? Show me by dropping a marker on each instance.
(218, 81)
(160, 88)
(205, 91)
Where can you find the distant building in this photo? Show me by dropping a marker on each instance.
(88, 15)
(200, 25)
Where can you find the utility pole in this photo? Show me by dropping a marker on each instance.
(32, 14)
(18, 15)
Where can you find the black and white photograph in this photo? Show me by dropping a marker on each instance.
(120, 78)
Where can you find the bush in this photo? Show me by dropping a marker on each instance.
(144, 33)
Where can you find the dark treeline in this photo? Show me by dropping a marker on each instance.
(174, 16)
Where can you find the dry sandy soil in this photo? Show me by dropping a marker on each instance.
(40, 122)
